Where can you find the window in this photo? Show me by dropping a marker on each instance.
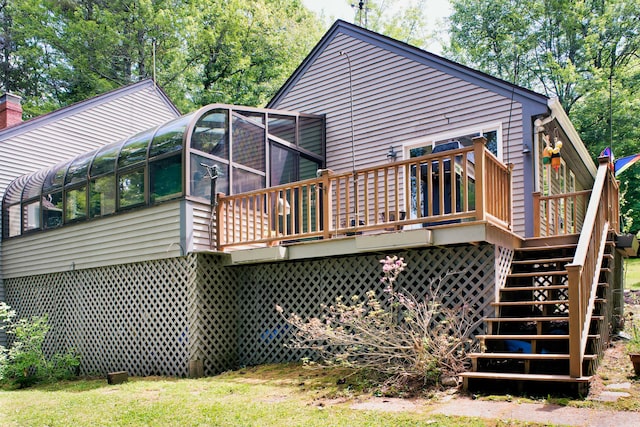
(131, 185)
(165, 178)
(248, 144)
(283, 165)
(75, 204)
(284, 127)
(52, 210)
(102, 198)
(200, 183)
(168, 139)
(149, 167)
(211, 134)
(311, 130)
(465, 137)
(135, 150)
(244, 181)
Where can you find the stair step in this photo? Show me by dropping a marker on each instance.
(546, 302)
(527, 356)
(533, 288)
(525, 377)
(525, 303)
(542, 261)
(535, 319)
(528, 337)
(538, 273)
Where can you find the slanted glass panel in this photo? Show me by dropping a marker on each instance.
(283, 127)
(165, 178)
(283, 165)
(55, 178)
(13, 194)
(211, 133)
(31, 215)
(52, 210)
(308, 168)
(105, 160)
(102, 196)
(248, 144)
(33, 187)
(15, 217)
(200, 183)
(311, 135)
(244, 181)
(76, 204)
(253, 116)
(131, 188)
(135, 149)
(169, 137)
(78, 170)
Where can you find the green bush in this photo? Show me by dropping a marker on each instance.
(25, 363)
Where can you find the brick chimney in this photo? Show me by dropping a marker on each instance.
(10, 110)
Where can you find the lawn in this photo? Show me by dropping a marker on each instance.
(273, 395)
(632, 273)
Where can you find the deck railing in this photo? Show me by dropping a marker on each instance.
(560, 213)
(584, 271)
(466, 184)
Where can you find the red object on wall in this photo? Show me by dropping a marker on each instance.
(10, 110)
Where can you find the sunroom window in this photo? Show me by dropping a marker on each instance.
(165, 178)
(167, 163)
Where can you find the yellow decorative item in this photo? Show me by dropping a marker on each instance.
(555, 156)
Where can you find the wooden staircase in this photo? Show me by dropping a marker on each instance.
(526, 347)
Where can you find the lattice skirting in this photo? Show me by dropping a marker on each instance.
(301, 287)
(153, 318)
(130, 317)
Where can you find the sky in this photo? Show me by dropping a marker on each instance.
(341, 9)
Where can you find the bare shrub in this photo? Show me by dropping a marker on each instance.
(395, 334)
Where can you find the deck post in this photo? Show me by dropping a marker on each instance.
(218, 219)
(536, 214)
(480, 167)
(326, 194)
(575, 321)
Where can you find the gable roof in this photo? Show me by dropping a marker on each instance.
(77, 107)
(65, 133)
(416, 54)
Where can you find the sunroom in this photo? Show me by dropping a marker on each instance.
(243, 148)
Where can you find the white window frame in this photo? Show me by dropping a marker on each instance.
(448, 135)
(452, 135)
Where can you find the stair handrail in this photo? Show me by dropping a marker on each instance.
(584, 270)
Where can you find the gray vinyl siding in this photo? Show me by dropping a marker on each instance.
(140, 235)
(397, 100)
(24, 150)
(199, 214)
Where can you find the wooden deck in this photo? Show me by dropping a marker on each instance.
(452, 187)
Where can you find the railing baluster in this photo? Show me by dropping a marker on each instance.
(328, 205)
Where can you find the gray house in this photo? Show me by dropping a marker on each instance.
(42, 142)
(170, 248)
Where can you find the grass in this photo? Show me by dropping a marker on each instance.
(632, 273)
(271, 395)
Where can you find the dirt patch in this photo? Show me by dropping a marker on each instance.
(390, 404)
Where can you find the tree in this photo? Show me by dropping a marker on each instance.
(557, 47)
(585, 53)
(237, 51)
(404, 21)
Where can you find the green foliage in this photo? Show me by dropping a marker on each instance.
(584, 53)
(633, 328)
(25, 363)
(632, 273)
(408, 340)
(237, 51)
